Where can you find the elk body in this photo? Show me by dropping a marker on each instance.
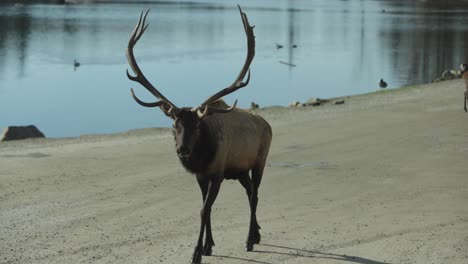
(215, 141)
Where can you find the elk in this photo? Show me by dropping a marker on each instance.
(464, 72)
(214, 141)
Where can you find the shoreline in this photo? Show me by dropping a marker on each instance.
(260, 110)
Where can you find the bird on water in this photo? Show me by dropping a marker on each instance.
(382, 84)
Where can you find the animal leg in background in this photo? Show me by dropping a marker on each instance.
(466, 98)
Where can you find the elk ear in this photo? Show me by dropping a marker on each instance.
(208, 110)
(167, 110)
(201, 114)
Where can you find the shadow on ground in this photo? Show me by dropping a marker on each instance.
(304, 253)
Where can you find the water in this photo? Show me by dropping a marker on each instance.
(193, 49)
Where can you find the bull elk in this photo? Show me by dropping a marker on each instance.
(214, 141)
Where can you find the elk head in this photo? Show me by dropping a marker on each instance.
(188, 122)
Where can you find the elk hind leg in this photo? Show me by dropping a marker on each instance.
(251, 186)
(253, 236)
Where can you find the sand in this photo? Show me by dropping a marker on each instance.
(380, 179)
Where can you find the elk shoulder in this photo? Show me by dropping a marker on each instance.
(243, 139)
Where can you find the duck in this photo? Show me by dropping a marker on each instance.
(382, 84)
(279, 46)
(76, 63)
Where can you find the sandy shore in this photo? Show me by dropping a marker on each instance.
(380, 179)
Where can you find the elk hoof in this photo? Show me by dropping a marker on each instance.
(197, 256)
(252, 240)
(207, 250)
(249, 246)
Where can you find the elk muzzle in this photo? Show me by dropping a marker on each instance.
(183, 151)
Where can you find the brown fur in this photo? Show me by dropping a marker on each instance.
(243, 139)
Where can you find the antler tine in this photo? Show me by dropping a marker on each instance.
(138, 35)
(238, 83)
(139, 76)
(145, 104)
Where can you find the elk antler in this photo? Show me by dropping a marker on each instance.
(238, 83)
(139, 77)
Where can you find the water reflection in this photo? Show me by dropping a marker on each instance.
(427, 40)
(15, 29)
(193, 49)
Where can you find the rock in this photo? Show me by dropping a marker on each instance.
(316, 101)
(448, 75)
(339, 102)
(295, 104)
(20, 132)
(313, 101)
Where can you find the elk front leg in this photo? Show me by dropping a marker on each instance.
(212, 193)
(209, 242)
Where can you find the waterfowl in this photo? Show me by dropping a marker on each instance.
(382, 84)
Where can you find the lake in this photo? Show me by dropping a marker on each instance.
(193, 49)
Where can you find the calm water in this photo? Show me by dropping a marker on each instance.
(191, 50)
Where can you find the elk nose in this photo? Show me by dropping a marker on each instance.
(183, 151)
